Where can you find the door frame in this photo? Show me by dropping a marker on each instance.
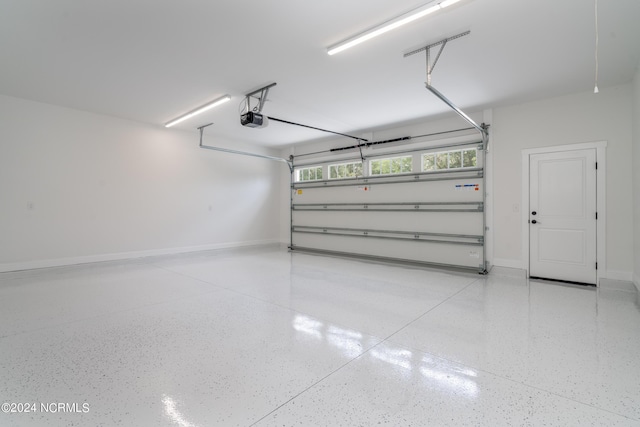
(601, 198)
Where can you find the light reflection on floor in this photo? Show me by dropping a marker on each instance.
(350, 344)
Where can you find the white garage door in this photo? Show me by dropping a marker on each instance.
(421, 206)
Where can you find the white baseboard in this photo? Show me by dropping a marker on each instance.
(509, 263)
(60, 262)
(508, 272)
(616, 285)
(624, 276)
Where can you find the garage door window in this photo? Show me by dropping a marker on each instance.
(313, 173)
(450, 160)
(391, 166)
(345, 170)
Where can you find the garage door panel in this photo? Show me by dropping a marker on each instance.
(435, 253)
(419, 191)
(431, 222)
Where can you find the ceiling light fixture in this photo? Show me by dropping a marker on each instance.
(198, 110)
(390, 25)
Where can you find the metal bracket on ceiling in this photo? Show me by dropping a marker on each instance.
(483, 128)
(261, 95)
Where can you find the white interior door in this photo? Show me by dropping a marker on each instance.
(562, 216)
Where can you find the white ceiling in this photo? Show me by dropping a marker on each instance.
(153, 60)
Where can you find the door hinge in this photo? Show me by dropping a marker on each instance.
(596, 215)
(596, 265)
(596, 165)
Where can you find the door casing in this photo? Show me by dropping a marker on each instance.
(600, 147)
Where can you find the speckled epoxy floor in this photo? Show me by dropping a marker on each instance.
(268, 338)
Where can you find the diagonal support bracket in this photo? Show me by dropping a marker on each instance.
(242, 153)
(261, 95)
(483, 128)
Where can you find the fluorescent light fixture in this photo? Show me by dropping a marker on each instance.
(390, 25)
(198, 110)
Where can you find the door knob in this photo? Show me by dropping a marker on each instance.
(534, 222)
(534, 213)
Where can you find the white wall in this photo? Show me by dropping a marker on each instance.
(636, 176)
(582, 117)
(284, 231)
(78, 187)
